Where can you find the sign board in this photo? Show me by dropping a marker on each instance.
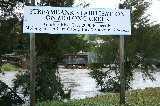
(70, 20)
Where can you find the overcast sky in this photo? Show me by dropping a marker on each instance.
(154, 9)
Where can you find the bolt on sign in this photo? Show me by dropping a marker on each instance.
(70, 20)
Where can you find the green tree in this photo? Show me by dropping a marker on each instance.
(7, 24)
(50, 51)
(141, 49)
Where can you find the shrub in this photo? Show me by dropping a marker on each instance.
(8, 67)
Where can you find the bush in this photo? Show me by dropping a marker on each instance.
(9, 67)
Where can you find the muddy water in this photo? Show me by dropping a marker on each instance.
(141, 82)
(7, 77)
(80, 82)
(82, 85)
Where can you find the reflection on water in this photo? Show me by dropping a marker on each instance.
(82, 85)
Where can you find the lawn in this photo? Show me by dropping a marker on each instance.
(146, 97)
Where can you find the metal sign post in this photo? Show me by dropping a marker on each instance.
(32, 65)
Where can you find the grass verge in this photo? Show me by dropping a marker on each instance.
(146, 97)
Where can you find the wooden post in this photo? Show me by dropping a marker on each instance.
(121, 67)
(32, 65)
(32, 69)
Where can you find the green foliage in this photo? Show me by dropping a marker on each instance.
(50, 51)
(108, 56)
(7, 35)
(138, 9)
(146, 97)
(48, 86)
(59, 45)
(8, 26)
(141, 48)
(107, 81)
(7, 8)
(9, 67)
(8, 97)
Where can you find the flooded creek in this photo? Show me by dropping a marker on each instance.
(82, 85)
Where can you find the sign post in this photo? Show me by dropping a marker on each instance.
(32, 69)
(32, 65)
(67, 20)
(121, 67)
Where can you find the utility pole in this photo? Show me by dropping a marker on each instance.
(32, 65)
(121, 67)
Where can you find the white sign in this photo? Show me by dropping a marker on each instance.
(70, 20)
